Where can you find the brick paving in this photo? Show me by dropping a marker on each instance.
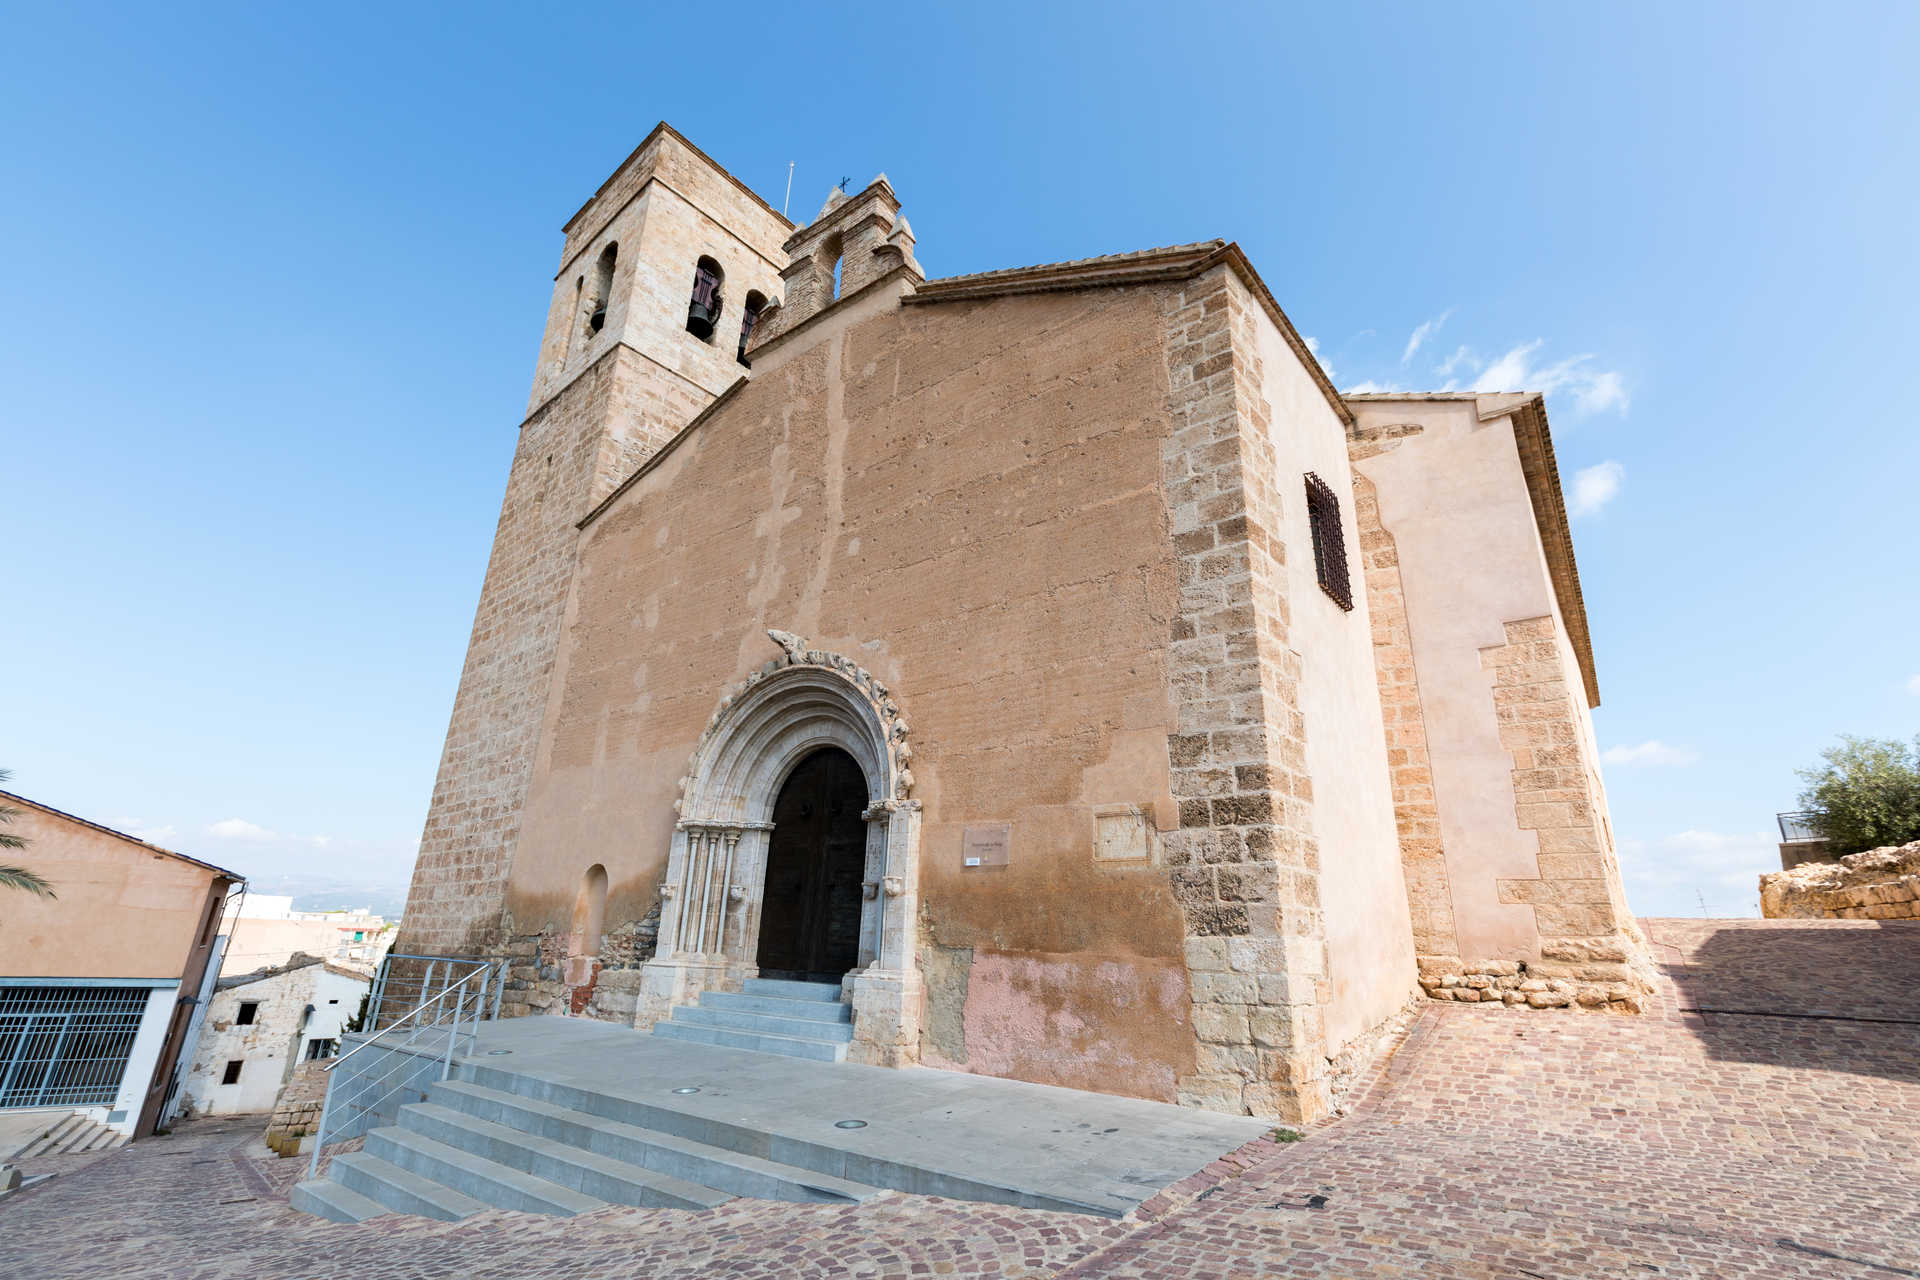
(1494, 1145)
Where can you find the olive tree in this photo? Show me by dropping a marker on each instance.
(1865, 795)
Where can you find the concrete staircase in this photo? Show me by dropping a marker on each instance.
(500, 1144)
(68, 1135)
(798, 1019)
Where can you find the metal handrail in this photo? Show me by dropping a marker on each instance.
(460, 991)
(418, 1009)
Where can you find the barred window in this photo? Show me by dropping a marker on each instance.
(1329, 542)
(66, 1046)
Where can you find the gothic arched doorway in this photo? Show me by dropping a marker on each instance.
(811, 731)
(816, 856)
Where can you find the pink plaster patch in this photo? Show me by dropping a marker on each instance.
(1107, 1025)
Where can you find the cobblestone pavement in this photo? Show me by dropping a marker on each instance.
(1494, 1145)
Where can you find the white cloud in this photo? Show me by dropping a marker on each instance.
(1426, 329)
(1913, 686)
(1677, 875)
(1594, 487)
(1313, 345)
(1461, 356)
(1651, 752)
(239, 829)
(1593, 390)
(1369, 387)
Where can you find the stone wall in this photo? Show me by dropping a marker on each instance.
(571, 452)
(1416, 813)
(607, 987)
(1880, 884)
(297, 1111)
(1244, 861)
(1511, 875)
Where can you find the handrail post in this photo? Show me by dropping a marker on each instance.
(499, 985)
(453, 1033)
(379, 994)
(320, 1134)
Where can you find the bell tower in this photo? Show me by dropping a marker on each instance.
(662, 274)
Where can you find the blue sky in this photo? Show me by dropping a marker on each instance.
(274, 284)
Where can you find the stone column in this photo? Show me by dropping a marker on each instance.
(709, 915)
(888, 995)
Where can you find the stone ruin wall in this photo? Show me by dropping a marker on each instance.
(1880, 884)
(297, 1111)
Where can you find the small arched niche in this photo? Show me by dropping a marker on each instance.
(602, 289)
(703, 310)
(589, 913)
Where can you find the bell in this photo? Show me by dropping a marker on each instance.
(700, 320)
(598, 319)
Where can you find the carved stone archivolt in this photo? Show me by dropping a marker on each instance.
(891, 725)
(804, 701)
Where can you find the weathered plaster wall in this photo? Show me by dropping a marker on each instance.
(1370, 958)
(965, 499)
(1494, 700)
(123, 911)
(274, 1042)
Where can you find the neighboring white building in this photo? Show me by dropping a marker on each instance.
(260, 1025)
(270, 933)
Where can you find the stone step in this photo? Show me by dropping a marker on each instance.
(590, 1173)
(782, 989)
(812, 1010)
(499, 1185)
(70, 1135)
(766, 1024)
(710, 1166)
(401, 1190)
(915, 1171)
(334, 1201)
(752, 1041)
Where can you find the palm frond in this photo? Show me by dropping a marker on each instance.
(21, 878)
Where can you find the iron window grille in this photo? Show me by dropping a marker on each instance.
(66, 1046)
(1329, 542)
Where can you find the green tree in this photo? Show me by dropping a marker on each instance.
(1866, 795)
(18, 877)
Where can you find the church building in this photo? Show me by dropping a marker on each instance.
(1049, 665)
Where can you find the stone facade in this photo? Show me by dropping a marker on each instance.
(605, 399)
(1527, 739)
(1416, 814)
(1880, 884)
(1244, 862)
(1033, 548)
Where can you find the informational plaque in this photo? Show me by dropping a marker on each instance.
(986, 844)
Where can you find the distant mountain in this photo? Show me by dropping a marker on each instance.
(312, 892)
